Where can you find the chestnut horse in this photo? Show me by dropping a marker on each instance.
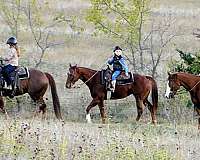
(36, 86)
(140, 88)
(190, 82)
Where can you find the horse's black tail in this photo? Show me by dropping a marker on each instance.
(56, 102)
(154, 93)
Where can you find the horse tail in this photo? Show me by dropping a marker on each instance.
(56, 102)
(154, 92)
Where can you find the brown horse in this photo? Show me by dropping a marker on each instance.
(36, 86)
(190, 82)
(140, 88)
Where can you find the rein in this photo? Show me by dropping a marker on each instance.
(194, 86)
(78, 86)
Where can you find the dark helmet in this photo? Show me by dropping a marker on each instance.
(117, 48)
(11, 40)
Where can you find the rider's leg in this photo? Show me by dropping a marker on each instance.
(114, 77)
(7, 70)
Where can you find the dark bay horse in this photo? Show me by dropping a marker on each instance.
(36, 86)
(190, 82)
(140, 88)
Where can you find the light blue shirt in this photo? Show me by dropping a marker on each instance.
(121, 61)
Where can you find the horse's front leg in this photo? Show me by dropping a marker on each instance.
(102, 111)
(198, 112)
(2, 109)
(92, 104)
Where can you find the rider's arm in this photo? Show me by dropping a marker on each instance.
(110, 61)
(124, 65)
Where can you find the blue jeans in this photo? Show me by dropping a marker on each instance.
(115, 75)
(6, 71)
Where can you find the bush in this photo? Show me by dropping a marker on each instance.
(189, 63)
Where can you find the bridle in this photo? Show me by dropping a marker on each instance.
(194, 86)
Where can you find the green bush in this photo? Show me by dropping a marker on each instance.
(189, 63)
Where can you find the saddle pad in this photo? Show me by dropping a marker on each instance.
(23, 72)
(121, 80)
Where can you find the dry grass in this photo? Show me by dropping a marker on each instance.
(53, 140)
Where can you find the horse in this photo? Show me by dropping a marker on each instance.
(141, 88)
(36, 86)
(190, 82)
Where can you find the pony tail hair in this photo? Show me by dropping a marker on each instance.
(18, 50)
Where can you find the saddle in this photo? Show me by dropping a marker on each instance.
(20, 73)
(122, 79)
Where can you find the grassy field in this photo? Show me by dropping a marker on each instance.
(50, 139)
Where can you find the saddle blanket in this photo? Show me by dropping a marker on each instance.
(23, 73)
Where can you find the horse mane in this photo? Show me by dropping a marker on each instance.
(186, 73)
(87, 69)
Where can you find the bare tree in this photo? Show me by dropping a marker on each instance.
(11, 13)
(41, 33)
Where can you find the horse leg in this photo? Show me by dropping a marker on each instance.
(102, 111)
(2, 109)
(92, 104)
(152, 109)
(140, 108)
(42, 108)
(198, 112)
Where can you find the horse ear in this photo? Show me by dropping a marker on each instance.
(70, 65)
(168, 73)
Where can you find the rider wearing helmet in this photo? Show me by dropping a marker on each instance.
(119, 64)
(11, 59)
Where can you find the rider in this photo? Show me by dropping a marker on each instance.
(119, 64)
(11, 60)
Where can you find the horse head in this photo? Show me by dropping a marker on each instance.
(173, 85)
(72, 76)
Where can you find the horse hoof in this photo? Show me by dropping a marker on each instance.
(88, 118)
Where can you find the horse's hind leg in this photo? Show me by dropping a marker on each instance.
(42, 108)
(140, 108)
(92, 104)
(152, 109)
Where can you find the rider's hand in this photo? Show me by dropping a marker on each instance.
(126, 74)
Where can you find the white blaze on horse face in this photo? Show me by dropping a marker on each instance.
(88, 118)
(167, 93)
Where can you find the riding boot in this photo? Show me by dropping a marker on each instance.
(113, 85)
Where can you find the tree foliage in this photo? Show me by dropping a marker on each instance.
(189, 63)
(117, 18)
(120, 20)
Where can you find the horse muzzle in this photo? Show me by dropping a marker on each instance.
(68, 85)
(169, 95)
